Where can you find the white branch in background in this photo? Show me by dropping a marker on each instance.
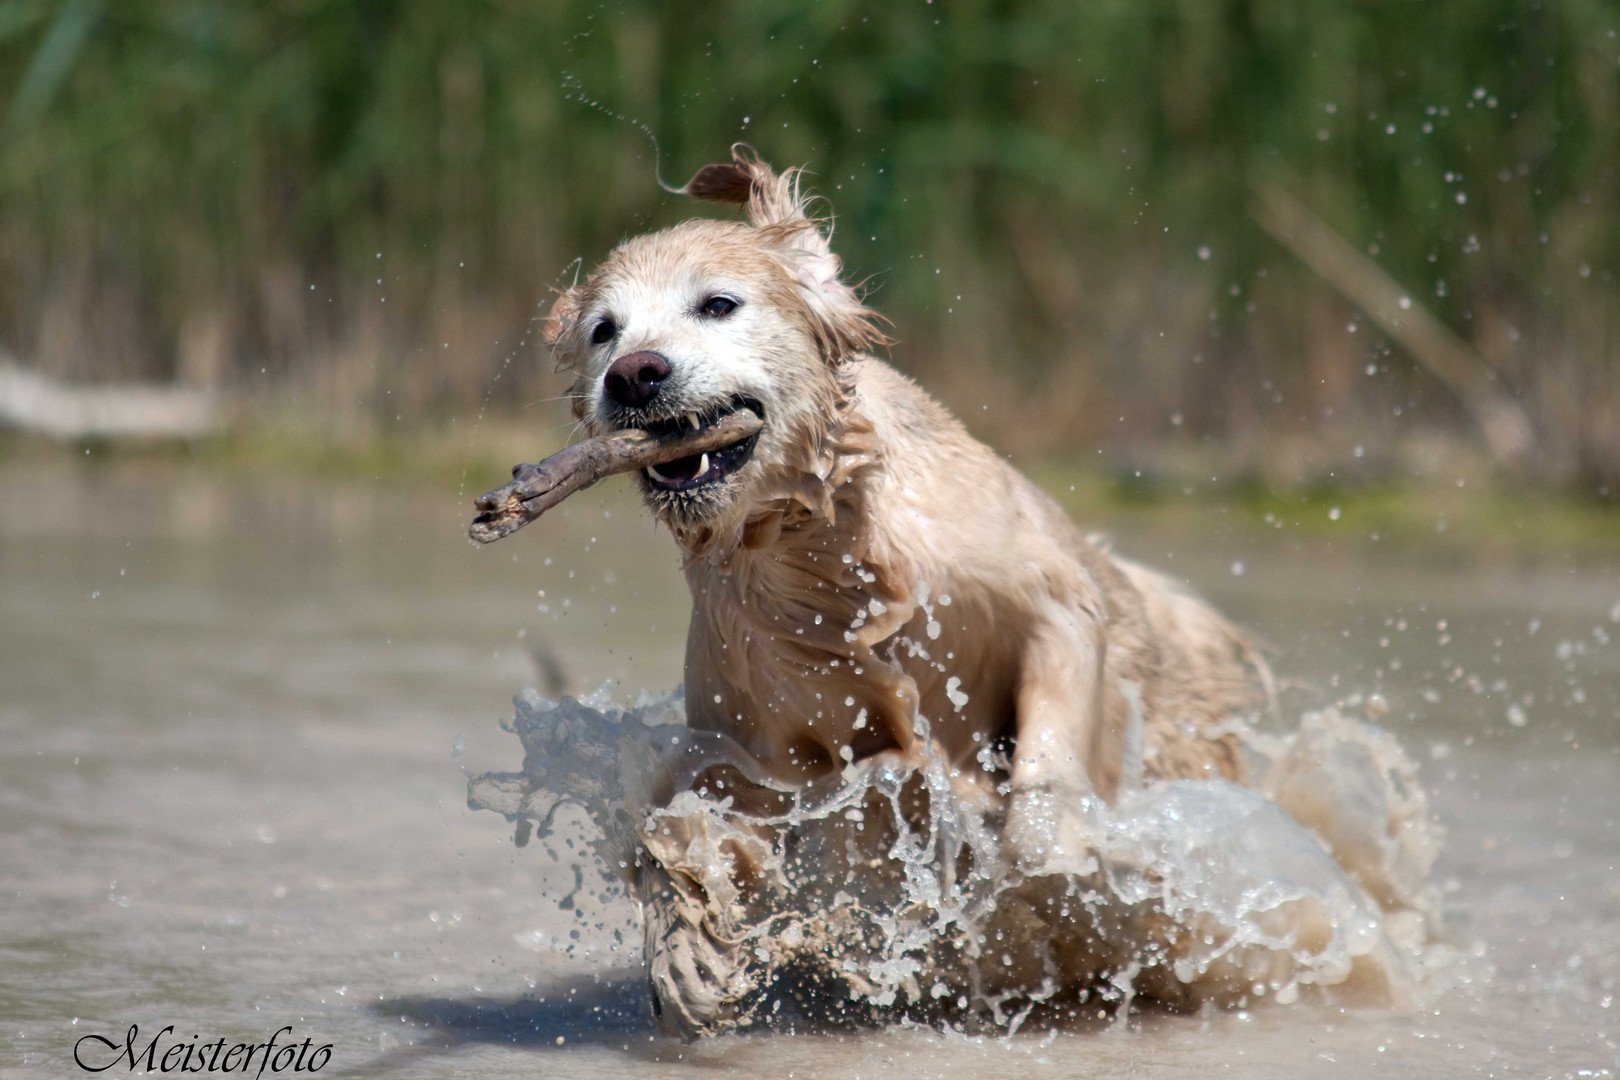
(34, 402)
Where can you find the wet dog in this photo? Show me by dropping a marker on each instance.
(868, 580)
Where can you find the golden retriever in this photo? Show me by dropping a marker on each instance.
(863, 561)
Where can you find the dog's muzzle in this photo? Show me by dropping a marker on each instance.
(701, 470)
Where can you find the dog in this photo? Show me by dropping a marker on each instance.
(863, 561)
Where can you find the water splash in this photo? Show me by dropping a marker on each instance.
(883, 891)
(574, 90)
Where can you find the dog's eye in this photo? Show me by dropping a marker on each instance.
(604, 332)
(718, 307)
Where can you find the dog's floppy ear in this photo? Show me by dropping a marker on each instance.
(725, 182)
(557, 334)
(841, 324)
(556, 329)
(774, 204)
(769, 199)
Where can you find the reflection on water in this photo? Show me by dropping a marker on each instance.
(238, 722)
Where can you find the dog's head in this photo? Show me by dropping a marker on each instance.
(679, 327)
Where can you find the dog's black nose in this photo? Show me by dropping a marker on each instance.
(634, 380)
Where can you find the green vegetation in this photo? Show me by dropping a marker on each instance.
(1469, 522)
(353, 211)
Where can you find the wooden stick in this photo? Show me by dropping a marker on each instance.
(534, 489)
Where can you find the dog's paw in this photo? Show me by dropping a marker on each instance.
(1047, 832)
(698, 976)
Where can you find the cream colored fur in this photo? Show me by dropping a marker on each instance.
(874, 562)
(874, 576)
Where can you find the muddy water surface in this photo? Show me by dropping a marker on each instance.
(238, 723)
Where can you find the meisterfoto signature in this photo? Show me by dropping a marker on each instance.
(197, 1056)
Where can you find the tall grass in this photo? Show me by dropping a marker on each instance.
(1050, 198)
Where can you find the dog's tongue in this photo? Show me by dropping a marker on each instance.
(680, 470)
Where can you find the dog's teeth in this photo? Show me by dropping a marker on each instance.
(652, 471)
(703, 467)
(692, 418)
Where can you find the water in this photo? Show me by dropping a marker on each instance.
(239, 725)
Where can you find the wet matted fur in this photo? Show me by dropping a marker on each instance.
(865, 562)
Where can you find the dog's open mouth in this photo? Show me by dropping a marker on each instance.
(701, 470)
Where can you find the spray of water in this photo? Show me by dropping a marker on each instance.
(574, 90)
(883, 891)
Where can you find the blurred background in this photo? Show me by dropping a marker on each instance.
(1312, 305)
(1270, 244)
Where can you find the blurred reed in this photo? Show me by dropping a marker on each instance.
(355, 211)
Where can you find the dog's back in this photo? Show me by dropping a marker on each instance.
(1175, 668)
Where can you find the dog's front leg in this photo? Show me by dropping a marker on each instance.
(1060, 711)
